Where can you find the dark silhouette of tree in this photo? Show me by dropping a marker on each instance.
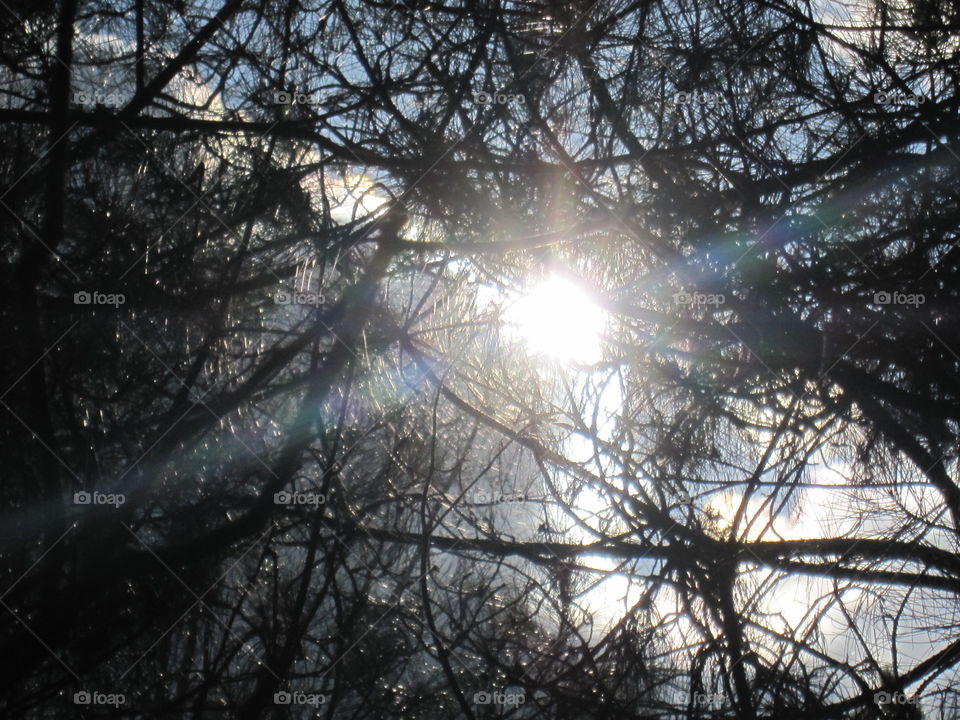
(274, 446)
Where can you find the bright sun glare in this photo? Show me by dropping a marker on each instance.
(558, 320)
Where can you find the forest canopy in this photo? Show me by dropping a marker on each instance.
(472, 359)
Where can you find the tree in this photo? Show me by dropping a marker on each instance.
(275, 446)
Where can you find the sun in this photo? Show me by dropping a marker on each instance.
(558, 320)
